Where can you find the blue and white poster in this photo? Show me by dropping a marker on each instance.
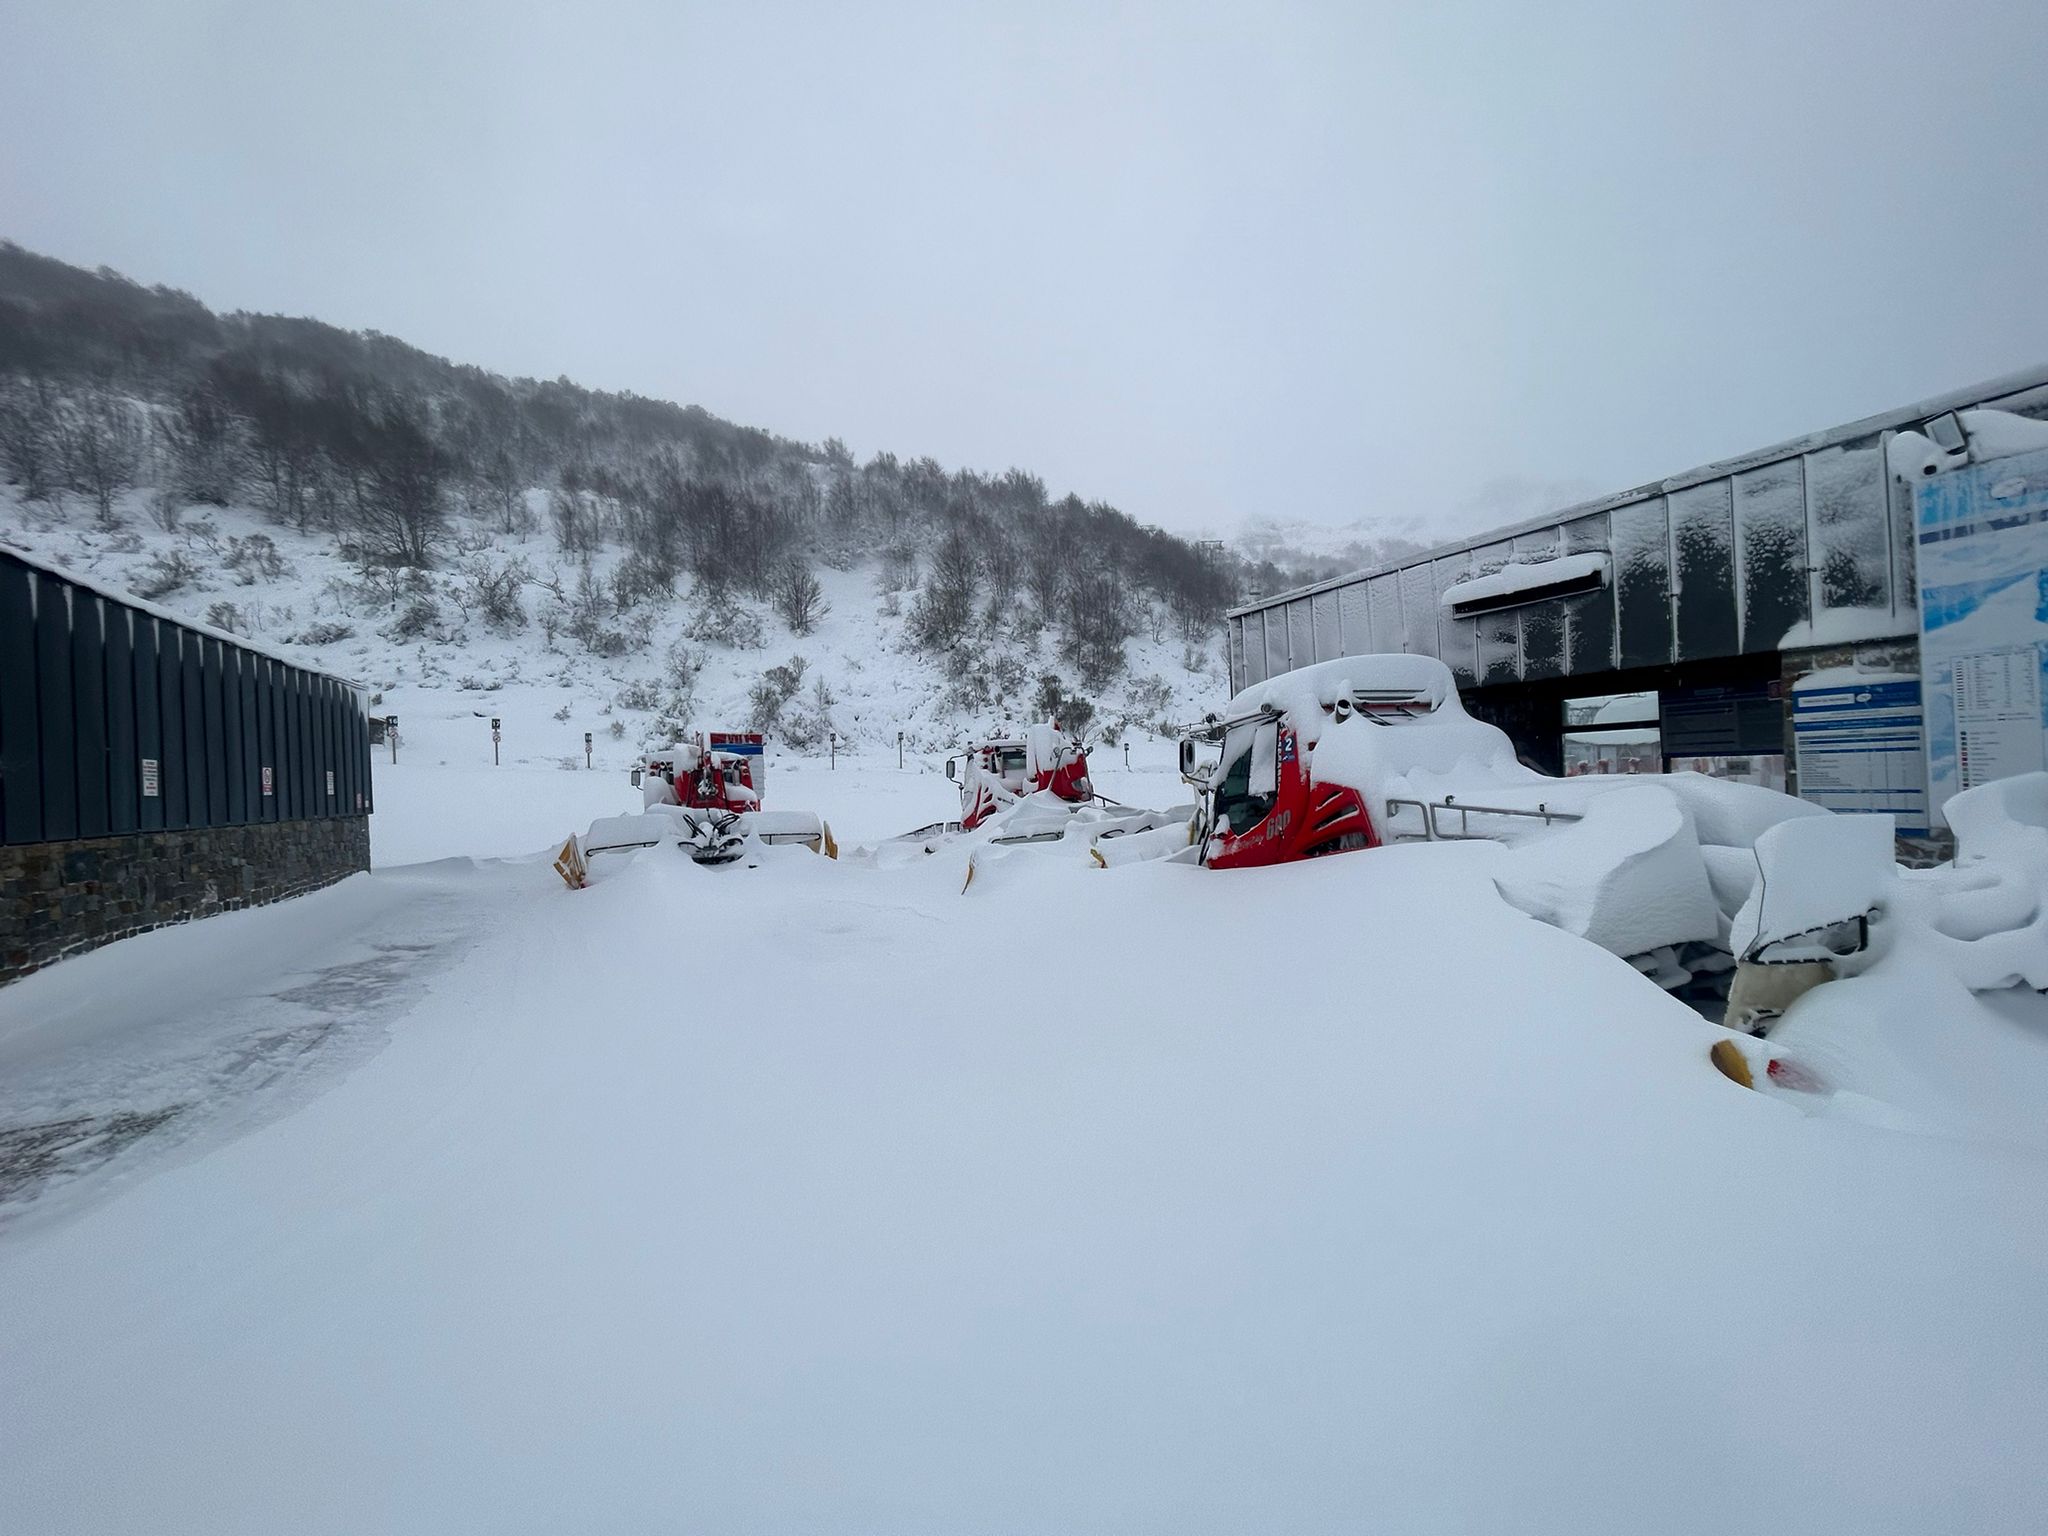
(1860, 745)
(1983, 565)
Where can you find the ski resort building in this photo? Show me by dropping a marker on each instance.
(154, 770)
(1709, 595)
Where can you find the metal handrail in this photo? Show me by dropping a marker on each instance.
(1435, 833)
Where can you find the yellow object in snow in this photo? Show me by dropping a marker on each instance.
(1734, 1066)
(569, 865)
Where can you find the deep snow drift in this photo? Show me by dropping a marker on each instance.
(823, 1196)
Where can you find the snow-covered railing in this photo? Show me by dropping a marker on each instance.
(1436, 834)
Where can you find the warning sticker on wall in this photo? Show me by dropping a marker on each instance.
(330, 783)
(267, 780)
(149, 781)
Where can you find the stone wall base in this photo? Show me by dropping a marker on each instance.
(62, 898)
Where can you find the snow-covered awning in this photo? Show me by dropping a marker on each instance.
(1513, 585)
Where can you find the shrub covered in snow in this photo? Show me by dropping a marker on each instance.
(720, 618)
(168, 571)
(778, 685)
(254, 558)
(419, 618)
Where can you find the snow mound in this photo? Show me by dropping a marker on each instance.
(1628, 877)
(1936, 1024)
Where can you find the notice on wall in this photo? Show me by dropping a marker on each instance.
(1998, 715)
(269, 783)
(1981, 537)
(150, 790)
(330, 783)
(1859, 742)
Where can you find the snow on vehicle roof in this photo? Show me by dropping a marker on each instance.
(1423, 678)
(1511, 580)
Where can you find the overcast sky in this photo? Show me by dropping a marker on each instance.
(1207, 263)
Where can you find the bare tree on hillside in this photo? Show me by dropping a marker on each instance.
(505, 491)
(1096, 621)
(798, 596)
(207, 443)
(945, 608)
(29, 437)
(400, 508)
(103, 447)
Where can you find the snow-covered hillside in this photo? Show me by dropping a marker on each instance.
(427, 650)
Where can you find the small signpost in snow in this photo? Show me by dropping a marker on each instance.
(391, 735)
(899, 751)
(586, 749)
(835, 748)
(494, 741)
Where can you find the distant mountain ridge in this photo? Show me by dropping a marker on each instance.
(1293, 551)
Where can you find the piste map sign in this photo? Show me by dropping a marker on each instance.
(1982, 536)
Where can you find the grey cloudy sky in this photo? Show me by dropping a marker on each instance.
(1206, 262)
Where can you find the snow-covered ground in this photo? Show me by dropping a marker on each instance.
(853, 1196)
(827, 1196)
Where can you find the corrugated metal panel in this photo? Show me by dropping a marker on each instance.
(1328, 632)
(1354, 619)
(114, 719)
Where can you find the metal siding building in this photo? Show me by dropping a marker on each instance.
(153, 770)
(1712, 576)
(115, 719)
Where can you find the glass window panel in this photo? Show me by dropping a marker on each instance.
(1497, 637)
(1589, 619)
(1848, 517)
(1770, 541)
(1703, 539)
(1642, 574)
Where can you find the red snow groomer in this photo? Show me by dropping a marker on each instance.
(996, 773)
(1269, 797)
(704, 796)
(722, 776)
